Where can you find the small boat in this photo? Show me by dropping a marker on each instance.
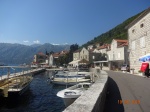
(70, 94)
(62, 74)
(71, 77)
(15, 86)
(69, 81)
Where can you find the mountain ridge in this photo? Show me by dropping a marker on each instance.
(18, 53)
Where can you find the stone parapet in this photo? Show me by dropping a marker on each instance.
(93, 99)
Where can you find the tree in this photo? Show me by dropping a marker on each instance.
(73, 48)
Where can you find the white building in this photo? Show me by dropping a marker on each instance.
(118, 54)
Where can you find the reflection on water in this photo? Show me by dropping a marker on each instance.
(41, 97)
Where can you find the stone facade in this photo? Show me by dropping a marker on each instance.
(76, 55)
(118, 54)
(139, 39)
(103, 49)
(84, 54)
(89, 55)
(39, 58)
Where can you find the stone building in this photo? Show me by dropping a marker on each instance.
(139, 39)
(118, 53)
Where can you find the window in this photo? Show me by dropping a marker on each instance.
(133, 30)
(119, 55)
(142, 42)
(93, 57)
(85, 56)
(114, 57)
(133, 45)
(142, 25)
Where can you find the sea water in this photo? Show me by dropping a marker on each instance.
(40, 97)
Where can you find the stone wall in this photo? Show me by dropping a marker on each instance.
(93, 99)
(135, 33)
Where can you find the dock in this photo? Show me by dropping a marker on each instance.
(23, 72)
(17, 82)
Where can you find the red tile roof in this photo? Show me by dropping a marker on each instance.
(104, 46)
(56, 55)
(121, 43)
(40, 53)
(118, 40)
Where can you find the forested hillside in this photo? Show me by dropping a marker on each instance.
(118, 32)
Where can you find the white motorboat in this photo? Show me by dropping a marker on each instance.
(71, 74)
(70, 94)
(69, 81)
(70, 78)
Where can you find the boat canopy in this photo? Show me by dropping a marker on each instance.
(74, 62)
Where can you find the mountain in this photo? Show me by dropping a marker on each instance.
(118, 32)
(18, 53)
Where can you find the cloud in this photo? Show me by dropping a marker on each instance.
(25, 41)
(36, 41)
(55, 44)
(65, 43)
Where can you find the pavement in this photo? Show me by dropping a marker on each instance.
(127, 93)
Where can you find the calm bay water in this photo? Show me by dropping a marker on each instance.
(41, 97)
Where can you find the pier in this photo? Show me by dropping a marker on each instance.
(23, 72)
(17, 82)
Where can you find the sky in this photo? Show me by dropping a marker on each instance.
(62, 21)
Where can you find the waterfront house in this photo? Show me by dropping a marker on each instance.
(90, 47)
(84, 54)
(51, 60)
(76, 55)
(55, 57)
(40, 59)
(89, 55)
(103, 48)
(139, 39)
(95, 50)
(118, 53)
(76, 58)
(79, 55)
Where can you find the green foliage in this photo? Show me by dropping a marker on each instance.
(73, 48)
(118, 32)
(63, 60)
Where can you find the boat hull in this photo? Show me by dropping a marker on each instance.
(68, 101)
(70, 83)
(19, 91)
(69, 95)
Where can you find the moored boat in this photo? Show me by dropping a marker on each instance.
(70, 78)
(69, 81)
(70, 94)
